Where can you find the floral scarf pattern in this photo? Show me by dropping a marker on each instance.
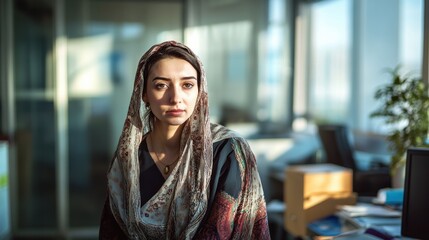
(176, 211)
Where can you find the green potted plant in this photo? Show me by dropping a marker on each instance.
(404, 107)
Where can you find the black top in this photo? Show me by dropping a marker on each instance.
(151, 179)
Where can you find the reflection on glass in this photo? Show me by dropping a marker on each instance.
(273, 88)
(225, 50)
(35, 140)
(89, 65)
(411, 34)
(103, 52)
(330, 60)
(246, 53)
(35, 131)
(340, 91)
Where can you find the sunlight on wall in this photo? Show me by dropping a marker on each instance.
(274, 67)
(175, 35)
(411, 37)
(89, 65)
(224, 50)
(330, 91)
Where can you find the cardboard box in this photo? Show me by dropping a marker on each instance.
(314, 191)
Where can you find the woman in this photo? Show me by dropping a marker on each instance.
(174, 174)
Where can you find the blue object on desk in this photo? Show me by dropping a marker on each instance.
(328, 226)
(391, 196)
(394, 196)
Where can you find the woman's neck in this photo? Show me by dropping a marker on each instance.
(167, 136)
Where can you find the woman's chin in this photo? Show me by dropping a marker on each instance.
(175, 121)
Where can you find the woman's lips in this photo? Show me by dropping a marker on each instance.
(175, 113)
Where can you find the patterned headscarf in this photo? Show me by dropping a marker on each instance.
(177, 209)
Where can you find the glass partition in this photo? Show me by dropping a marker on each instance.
(105, 40)
(345, 52)
(35, 120)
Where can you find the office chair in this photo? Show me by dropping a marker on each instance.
(338, 150)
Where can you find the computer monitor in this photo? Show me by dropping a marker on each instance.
(415, 210)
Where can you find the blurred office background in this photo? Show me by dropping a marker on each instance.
(275, 68)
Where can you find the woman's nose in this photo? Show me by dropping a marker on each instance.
(176, 95)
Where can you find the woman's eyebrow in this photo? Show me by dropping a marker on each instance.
(189, 78)
(161, 78)
(168, 79)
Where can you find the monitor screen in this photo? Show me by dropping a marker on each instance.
(415, 210)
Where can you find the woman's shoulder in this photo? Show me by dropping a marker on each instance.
(226, 139)
(232, 150)
(222, 133)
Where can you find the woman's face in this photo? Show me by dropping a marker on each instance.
(172, 90)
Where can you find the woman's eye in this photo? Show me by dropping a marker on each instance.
(188, 85)
(161, 86)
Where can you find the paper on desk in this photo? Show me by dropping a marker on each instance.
(368, 210)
